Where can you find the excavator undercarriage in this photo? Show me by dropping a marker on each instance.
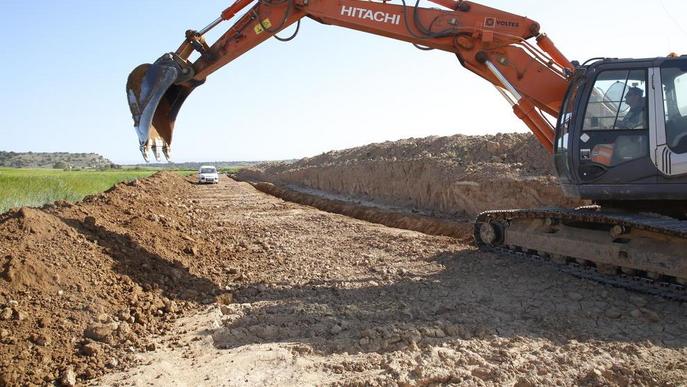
(636, 251)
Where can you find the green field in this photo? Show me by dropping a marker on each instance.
(34, 187)
(230, 170)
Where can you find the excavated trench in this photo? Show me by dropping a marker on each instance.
(389, 216)
(435, 185)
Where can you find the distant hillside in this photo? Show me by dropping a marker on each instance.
(59, 160)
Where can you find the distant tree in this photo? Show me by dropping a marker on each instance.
(59, 165)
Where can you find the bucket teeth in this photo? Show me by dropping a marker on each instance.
(144, 152)
(156, 147)
(157, 144)
(167, 151)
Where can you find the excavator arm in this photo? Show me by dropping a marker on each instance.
(491, 43)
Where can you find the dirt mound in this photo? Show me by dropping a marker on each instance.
(84, 286)
(457, 176)
(489, 151)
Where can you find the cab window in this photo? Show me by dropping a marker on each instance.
(566, 117)
(615, 127)
(563, 129)
(617, 101)
(674, 88)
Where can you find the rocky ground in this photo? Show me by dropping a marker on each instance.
(320, 298)
(165, 282)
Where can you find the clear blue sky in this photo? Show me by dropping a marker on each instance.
(65, 65)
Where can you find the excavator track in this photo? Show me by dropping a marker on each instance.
(643, 253)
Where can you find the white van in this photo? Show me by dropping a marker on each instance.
(208, 174)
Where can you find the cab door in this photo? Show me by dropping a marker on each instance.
(611, 143)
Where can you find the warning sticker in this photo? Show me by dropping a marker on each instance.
(260, 27)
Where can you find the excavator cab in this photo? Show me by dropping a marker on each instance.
(622, 131)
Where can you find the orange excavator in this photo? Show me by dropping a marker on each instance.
(617, 128)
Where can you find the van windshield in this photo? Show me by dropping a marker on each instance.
(208, 170)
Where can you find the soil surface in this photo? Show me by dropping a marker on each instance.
(320, 298)
(166, 282)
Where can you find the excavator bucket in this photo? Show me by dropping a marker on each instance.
(155, 93)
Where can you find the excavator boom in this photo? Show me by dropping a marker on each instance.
(493, 44)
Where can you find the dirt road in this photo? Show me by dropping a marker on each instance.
(317, 298)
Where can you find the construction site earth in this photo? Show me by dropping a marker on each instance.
(373, 281)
